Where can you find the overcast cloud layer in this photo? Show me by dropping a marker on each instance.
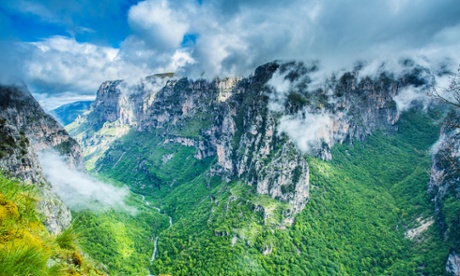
(65, 49)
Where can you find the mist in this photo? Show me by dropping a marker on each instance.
(151, 84)
(78, 190)
(310, 126)
(307, 130)
(409, 97)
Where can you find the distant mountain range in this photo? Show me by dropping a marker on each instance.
(67, 113)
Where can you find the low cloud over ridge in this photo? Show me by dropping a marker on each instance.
(78, 190)
(221, 38)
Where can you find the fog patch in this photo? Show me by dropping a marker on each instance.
(78, 190)
(410, 96)
(280, 91)
(146, 85)
(308, 130)
(439, 144)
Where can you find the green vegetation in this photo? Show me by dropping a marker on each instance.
(156, 168)
(362, 204)
(26, 247)
(192, 126)
(122, 242)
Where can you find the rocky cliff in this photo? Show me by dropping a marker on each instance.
(258, 128)
(445, 188)
(26, 130)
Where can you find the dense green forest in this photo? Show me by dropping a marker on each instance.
(362, 205)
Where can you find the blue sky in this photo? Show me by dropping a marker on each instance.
(99, 22)
(63, 50)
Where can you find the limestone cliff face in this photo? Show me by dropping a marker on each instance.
(21, 110)
(256, 130)
(445, 188)
(453, 264)
(26, 130)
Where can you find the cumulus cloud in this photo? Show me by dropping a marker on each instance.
(337, 33)
(160, 26)
(230, 37)
(78, 190)
(62, 64)
(60, 70)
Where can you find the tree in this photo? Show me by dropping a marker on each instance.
(451, 94)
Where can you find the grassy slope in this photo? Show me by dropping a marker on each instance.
(26, 247)
(361, 204)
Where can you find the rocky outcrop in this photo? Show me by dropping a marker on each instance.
(259, 128)
(25, 130)
(16, 157)
(445, 188)
(20, 110)
(453, 264)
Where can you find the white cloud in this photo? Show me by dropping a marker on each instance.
(64, 63)
(307, 130)
(152, 85)
(280, 92)
(59, 68)
(409, 96)
(159, 25)
(78, 190)
(233, 37)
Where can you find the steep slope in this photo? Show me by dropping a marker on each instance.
(363, 204)
(250, 125)
(445, 188)
(28, 133)
(35, 233)
(226, 160)
(26, 247)
(26, 130)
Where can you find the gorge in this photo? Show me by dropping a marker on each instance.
(285, 171)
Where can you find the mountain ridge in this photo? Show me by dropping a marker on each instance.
(27, 130)
(239, 118)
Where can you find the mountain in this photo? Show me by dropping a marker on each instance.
(277, 172)
(445, 188)
(36, 236)
(26, 130)
(40, 189)
(236, 121)
(65, 114)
